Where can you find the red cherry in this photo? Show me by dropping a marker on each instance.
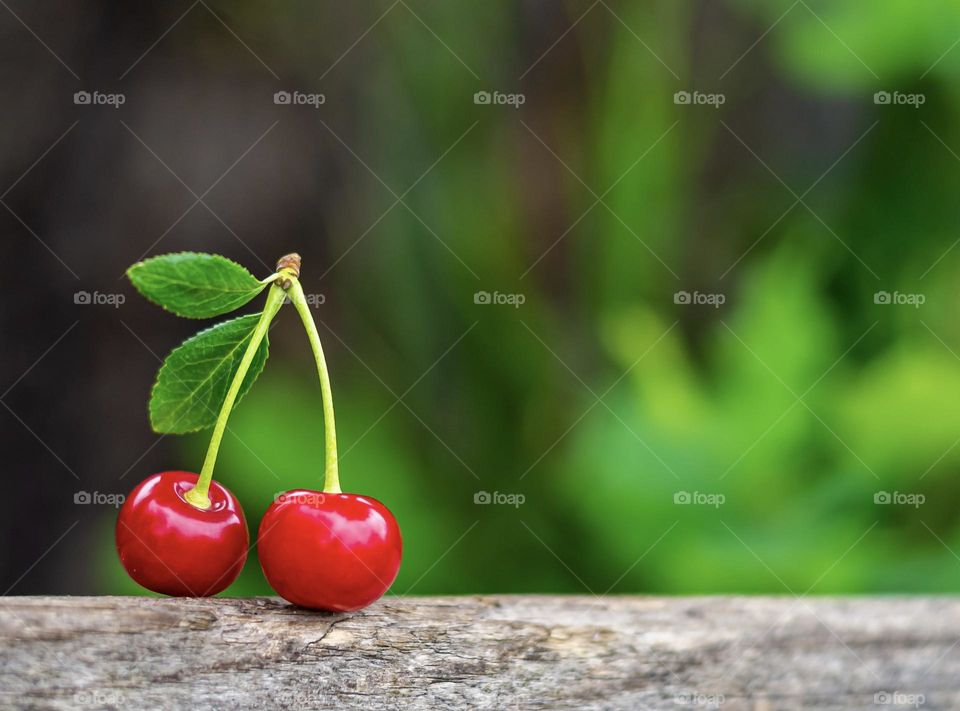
(336, 552)
(172, 547)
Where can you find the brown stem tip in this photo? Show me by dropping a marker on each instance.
(290, 261)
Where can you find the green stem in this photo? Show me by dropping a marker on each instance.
(331, 481)
(198, 495)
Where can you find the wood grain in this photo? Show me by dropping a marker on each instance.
(482, 652)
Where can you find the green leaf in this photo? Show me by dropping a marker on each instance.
(193, 381)
(194, 285)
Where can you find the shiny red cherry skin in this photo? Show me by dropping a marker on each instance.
(170, 546)
(335, 552)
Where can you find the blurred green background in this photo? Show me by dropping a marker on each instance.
(799, 405)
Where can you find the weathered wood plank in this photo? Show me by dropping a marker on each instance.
(486, 652)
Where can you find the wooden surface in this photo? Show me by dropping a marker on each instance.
(482, 652)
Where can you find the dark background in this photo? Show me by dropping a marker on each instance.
(799, 406)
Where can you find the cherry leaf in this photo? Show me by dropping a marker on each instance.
(194, 285)
(193, 381)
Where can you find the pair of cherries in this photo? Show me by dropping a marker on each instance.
(183, 534)
(336, 552)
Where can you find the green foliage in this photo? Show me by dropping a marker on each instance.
(899, 39)
(799, 399)
(194, 285)
(193, 381)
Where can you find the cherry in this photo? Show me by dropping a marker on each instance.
(181, 533)
(171, 546)
(184, 534)
(329, 551)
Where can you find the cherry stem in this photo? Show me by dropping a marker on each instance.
(331, 482)
(199, 494)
